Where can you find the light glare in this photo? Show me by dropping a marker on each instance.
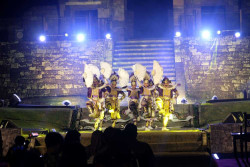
(206, 34)
(178, 34)
(42, 38)
(216, 156)
(237, 34)
(218, 32)
(80, 37)
(66, 34)
(108, 36)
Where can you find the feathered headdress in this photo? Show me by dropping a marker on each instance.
(114, 77)
(166, 80)
(147, 76)
(132, 78)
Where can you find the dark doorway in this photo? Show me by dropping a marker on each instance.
(151, 18)
(86, 21)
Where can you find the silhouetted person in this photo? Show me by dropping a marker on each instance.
(19, 156)
(54, 142)
(16, 153)
(95, 145)
(140, 150)
(115, 153)
(73, 153)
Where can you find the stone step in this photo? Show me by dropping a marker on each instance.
(145, 63)
(164, 66)
(167, 73)
(177, 146)
(143, 49)
(144, 41)
(140, 54)
(163, 137)
(143, 45)
(149, 58)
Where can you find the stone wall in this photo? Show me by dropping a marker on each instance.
(219, 66)
(48, 69)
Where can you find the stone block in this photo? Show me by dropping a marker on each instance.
(68, 86)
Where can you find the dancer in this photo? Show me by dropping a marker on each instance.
(134, 96)
(146, 102)
(95, 92)
(167, 93)
(112, 101)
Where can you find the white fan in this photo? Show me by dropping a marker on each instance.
(94, 69)
(88, 76)
(157, 72)
(123, 77)
(139, 71)
(106, 69)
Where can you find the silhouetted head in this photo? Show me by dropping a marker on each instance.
(130, 131)
(73, 136)
(19, 141)
(53, 139)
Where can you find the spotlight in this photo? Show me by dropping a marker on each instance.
(14, 100)
(108, 36)
(66, 103)
(215, 156)
(177, 34)
(218, 32)
(214, 97)
(42, 38)
(80, 37)
(206, 34)
(66, 34)
(237, 34)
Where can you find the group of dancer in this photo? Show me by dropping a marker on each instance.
(148, 93)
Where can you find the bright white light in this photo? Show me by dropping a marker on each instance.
(215, 156)
(42, 38)
(80, 37)
(178, 34)
(237, 34)
(206, 34)
(108, 36)
(218, 32)
(66, 34)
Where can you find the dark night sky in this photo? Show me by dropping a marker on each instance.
(15, 8)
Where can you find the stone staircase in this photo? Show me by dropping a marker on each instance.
(128, 53)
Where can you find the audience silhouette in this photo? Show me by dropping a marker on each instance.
(111, 148)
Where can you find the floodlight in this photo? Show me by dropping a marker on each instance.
(80, 37)
(42, 38)
(108, 36)
(206, 34)
(177, 34)
(237, 34)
